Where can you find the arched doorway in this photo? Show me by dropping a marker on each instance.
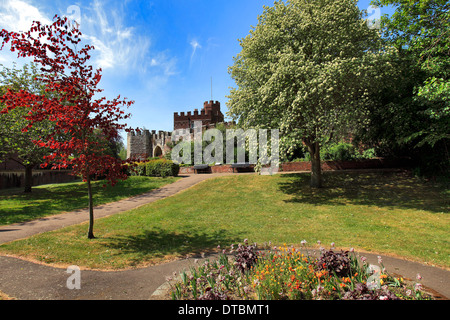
(157, 152)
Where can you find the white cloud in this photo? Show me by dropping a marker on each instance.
(195, 45)
(165, 63)
(118, 46)
(17, 15)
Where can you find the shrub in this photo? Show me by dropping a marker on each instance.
(369, 154)
(337, 262)
(341, 151)
(161, 168)
(138, 169)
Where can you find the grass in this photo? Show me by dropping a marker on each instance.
(16, 206)
(387, 213)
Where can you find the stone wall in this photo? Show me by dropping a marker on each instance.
(138, 145)
(143, 145)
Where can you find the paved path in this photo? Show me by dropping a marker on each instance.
(30, 281)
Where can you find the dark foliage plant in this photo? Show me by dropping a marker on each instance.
(245, 256)
(337, 262)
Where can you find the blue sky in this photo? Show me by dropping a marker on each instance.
(162, 54)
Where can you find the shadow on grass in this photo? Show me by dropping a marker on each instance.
(382, 189)
(41, 202)
(16, 206)
(159, 243)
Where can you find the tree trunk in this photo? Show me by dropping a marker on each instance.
(91, 210)
(28, 178)
(316, 168)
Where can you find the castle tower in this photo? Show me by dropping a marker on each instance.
(145, 144)
(209, 115)
(139, 145)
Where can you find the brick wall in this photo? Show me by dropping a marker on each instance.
(326, 166)
(210, 114)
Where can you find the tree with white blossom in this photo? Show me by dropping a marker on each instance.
(308, 68)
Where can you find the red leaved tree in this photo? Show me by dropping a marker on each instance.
(70, 103)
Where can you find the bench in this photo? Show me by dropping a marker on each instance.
(238, 166)
(201, 168)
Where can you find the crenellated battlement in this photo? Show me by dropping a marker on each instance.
(210, 114)
(145, 143)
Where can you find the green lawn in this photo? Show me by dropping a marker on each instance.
(16, 206)
(390, 213)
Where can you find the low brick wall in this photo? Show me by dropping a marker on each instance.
(326, 166)
(16, 178)
(224, 168)
(347, 165)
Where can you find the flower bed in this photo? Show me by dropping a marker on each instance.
(289, 273)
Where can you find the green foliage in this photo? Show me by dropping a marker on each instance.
(15, 138)
(155, 168)
(138, 169)
(339, 152)
(415, 110)
(161, 168)
(342, 151)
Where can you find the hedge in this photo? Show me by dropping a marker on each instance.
(161, 168)
(156, 168)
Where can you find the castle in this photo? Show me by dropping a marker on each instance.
(145, 144)
(209, 115)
